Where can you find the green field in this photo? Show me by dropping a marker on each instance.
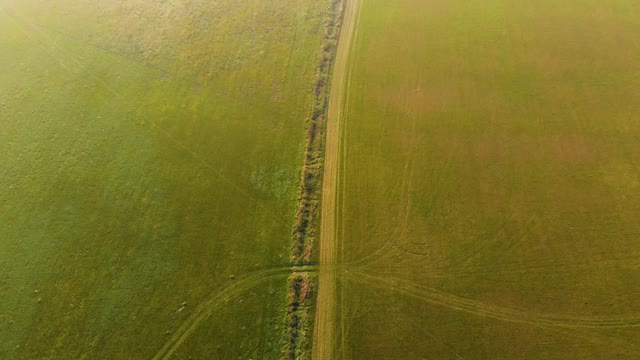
(490, 182)
(161, 166)
(150, 156)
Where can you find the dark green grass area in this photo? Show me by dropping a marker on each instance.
(139, 176)
(492, 154)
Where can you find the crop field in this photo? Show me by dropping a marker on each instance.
(357, 179)
(150, 156)
(489, 182)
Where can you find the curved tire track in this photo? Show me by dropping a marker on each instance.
(217, 299)
(451, 301)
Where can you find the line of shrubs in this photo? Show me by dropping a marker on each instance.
(301, 285)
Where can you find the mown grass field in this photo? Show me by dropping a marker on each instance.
(490, 182)
(150, 156)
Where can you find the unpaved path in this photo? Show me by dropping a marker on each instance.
(323, 335)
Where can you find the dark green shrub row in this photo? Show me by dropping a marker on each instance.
(299, 317)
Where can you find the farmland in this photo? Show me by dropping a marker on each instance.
(456, 179)
(150, 164)
(489, 183)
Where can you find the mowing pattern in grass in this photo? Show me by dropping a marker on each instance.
(150, 159)
(491, 183)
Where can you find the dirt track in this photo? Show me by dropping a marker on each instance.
(323, 335)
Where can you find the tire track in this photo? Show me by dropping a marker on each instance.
(454, 302)
(342, 180)
(219, 298)
(323, 336)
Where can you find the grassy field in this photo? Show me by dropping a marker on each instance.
(490, 182)
(150, 160)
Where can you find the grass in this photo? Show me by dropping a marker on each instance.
(490, 154)
(151, 156)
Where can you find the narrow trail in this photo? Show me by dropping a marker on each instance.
(219, 298)
(323, 335)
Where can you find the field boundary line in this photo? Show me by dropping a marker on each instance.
(323, 335)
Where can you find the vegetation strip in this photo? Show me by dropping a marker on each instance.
(302, 285)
